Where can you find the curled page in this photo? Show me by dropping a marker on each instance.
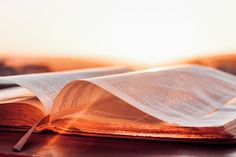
(183, 95)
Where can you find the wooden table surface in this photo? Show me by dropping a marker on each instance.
(49, 144)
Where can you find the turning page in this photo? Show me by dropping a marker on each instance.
(183, 95)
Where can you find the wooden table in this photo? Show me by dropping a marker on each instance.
(49, 144)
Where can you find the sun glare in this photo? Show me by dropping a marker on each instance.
(147, 32)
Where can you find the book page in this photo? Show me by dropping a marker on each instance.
(185, 95)
(47, 85)
(12, 94)
(96, 104)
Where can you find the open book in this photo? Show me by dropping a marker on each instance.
(182, 103)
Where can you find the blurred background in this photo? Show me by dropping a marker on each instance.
(52, 35)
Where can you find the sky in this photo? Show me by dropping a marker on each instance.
(141, 31)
